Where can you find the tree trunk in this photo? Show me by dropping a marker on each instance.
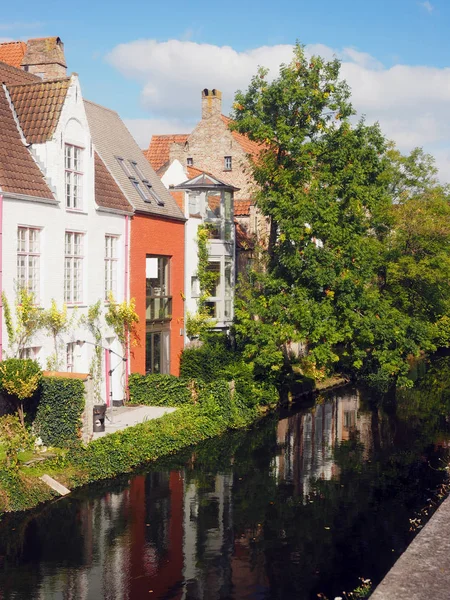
(20, 413)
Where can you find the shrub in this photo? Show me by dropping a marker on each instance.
(207, 362)
(158, 390)
(20, 378)
(14, 438)
(61, 404)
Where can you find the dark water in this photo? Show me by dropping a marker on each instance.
(299, 506)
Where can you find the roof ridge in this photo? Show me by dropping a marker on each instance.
(111, 110)
(41, 82)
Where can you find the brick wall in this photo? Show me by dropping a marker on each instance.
(208, 144)
(150, 235)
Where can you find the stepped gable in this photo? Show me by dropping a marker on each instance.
(19, 173)
(107, 192)
(128, 166)
(38, 107)
(158, 152)
(12, 53)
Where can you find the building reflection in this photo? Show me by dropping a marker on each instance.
(172, 534)
(306, 440)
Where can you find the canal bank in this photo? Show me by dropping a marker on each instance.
(423, 571)
(300, 505)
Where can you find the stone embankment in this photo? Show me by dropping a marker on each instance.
(423, 571)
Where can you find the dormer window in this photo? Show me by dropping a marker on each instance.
(74, 176)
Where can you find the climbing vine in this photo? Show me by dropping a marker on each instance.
(92, 322)
(26, 322)
(200, 322)
(57, 322)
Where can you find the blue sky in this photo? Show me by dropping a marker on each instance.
(156, 84)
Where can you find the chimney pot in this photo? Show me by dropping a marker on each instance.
(211, 103)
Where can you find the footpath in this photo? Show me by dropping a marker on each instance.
(423, 571)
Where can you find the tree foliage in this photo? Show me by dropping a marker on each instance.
(357, 259)
(25, 323)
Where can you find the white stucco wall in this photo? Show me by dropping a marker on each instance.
(53, 222)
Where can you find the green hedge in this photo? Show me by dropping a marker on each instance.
(208, 362)
(216, 410)
(58, 417)
(158, 390)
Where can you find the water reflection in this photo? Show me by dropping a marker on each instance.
(296, 507)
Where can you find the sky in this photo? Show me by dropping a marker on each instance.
(150, 59)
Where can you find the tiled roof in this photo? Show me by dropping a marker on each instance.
(247, 145)
(19, 173)
(12, 76)
(242, 207)
(158, 152)
(107, 192)
(193, 171)
(38, 107)
(12, 53)
(111, 140)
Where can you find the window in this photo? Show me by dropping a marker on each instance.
(189, 161)
(70, 356)
(110, 265)
(195, 287)
(194, 205)
(29, 353)
(157, 351)
(28, 259)
(74, 176)
(227, 163)
(159, 299)
(73, 267)
(137, 177)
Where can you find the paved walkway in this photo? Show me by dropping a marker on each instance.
(127, 416)
(423, 571)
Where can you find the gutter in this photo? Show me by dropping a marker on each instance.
(1, 277)
(126, 294)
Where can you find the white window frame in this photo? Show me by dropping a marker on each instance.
(29, 254)
(29, 352)
(111, 260)
(70, 356)
(228, 163)
(73, 180)
(73, 267)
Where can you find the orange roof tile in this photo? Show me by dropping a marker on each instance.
(158, 152)
(38, 107)
(249, 147)
(12, 76)
(12, 53)
(244, 240)
(193, 171)
(242, 207)
(19, 173)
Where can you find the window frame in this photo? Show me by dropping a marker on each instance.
(111, 266)
(72, 295)
(77, 202)
(163, 300)
(27, 254)
(227, 163)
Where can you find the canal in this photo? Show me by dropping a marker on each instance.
(301, 506)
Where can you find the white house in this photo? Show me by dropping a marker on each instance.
(65, 221)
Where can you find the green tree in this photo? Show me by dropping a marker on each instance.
(327, 186)
(56, 322)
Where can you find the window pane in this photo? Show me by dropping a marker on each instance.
(213, 202)
(214, 267)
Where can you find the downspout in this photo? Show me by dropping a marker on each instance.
(126, 288)
(1, 277)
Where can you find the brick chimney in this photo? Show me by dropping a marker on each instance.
(45, 57)
(211, 103)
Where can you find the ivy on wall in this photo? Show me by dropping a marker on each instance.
(61, 404)
(158, 390)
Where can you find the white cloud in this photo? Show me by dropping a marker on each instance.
(143, 129)
(19, 25)
(410, 102)
(427, 6)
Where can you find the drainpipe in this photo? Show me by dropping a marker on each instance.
(126, 288)
(1, 277)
